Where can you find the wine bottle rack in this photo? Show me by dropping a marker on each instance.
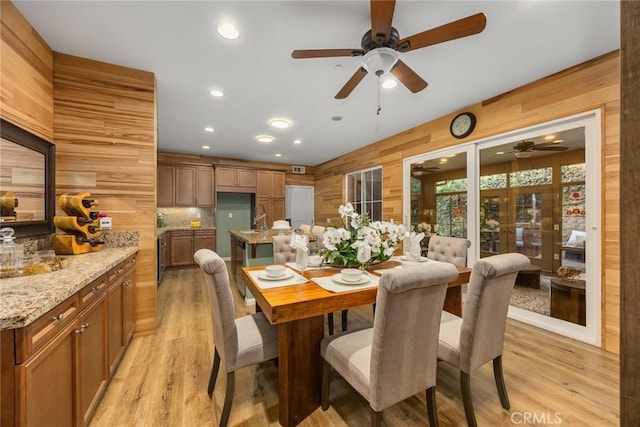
(82, 226)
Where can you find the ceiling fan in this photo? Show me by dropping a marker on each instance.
(525, 149)
(381, 46)
(420, 169)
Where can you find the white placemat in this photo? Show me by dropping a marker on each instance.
(331, 286)
(296, 279)
(293, 266)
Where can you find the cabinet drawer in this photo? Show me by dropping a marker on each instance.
(115, 273)
(130, 263)
(32, 337)
(92, 291)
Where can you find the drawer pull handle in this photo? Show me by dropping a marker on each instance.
(58, 318)
(84, 327)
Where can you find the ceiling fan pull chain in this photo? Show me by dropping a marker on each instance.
(378, 73)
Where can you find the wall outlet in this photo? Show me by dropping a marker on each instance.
(328, 220)
(230, 214)
(556, 227)
(556, 256)
(105, 223)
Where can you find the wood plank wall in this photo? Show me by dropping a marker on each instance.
(26, 75)
(630, 180)
(591, 85)
(291, 178)
(105, 133)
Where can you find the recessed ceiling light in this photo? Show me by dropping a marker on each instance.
(336, 118)
(443, 161)
(206, 147)
(549, 137)
(500, 153)
(228, 31)
(278, 155)
(389, 83)
(265, 138)
(217, 93)
(557, 141)
(297, 141)
(280, 123)
(451, 155)
(208, 129)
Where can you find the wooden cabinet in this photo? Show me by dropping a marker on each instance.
(185, 186)
(185, 243)
(63, 361)
(237, 180)
(270, 195)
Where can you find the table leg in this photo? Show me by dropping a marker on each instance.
(299, 368)
(453, 300)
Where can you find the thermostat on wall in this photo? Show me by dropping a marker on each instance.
(105, 223)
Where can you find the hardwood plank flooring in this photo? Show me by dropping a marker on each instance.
(162, 379)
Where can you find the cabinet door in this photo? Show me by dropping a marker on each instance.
(116, 334)
(92, 357)
(277, 209)
(263, 184)
(225, 177)
(277, 185)
(128, 301)
(45, 384)
(185, 185)
(204, 192)
(181, 248)
(204, 240)
(166, 185)
(246, 178)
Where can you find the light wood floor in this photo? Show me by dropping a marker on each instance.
(162, 379)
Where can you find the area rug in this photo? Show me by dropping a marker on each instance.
(536, 300)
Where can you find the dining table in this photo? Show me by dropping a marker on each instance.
(298, 307)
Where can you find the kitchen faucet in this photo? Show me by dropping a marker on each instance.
(262, 217)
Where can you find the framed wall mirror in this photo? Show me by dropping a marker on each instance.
(27, 181)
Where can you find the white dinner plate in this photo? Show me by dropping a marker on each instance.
(338, 279)
(286, 275)
(419, 259)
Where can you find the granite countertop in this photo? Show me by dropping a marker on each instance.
(257, 237)
(160, 231)
(25, 299)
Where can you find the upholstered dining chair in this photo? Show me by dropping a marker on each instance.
(478, 337)
(284, 253)
(317, 230)
(396, 358)
(305, 228)
(238, 342)
(448, 249)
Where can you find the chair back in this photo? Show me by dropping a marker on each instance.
(282, 250)
(405, 332)
(305, 228)
(486, 303)
(317, 230)
(225, 334)
(448, 249)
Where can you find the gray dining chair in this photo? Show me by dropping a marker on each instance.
(448, 249)
(396, 358)
(237, 342)
(478, 336)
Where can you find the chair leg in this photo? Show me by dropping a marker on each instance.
(376, 418)
(214, 371)
(465, 387)
(344, 320)
(326, 368)
(330, 322)
(228, 399)
(432, 409)
(502, 388)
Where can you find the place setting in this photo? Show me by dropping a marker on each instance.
(348, 279)
(275, 276)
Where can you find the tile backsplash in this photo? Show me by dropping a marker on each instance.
(182, 217)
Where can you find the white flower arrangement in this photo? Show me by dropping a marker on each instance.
(360, 242)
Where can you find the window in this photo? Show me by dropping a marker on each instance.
(364, 191)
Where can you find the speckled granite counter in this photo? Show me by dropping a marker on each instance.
(161, 231)
(25, 299)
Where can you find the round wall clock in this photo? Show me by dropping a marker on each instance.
(462, 125)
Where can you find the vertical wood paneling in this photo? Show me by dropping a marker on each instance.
(26, 74)
(105, 130)
(630, 181)
(594, 84)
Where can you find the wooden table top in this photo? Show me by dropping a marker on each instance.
(305, 300)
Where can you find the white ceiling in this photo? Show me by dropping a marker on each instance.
(177, 40)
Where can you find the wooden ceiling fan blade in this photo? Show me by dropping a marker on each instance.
(352, 83)
(464, 27)
(550, 148)
(381, 17)
(408, 77)
(325, 53)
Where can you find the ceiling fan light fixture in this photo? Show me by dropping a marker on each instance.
(380, 59)
(265, 138)
(228, 31)
(524, 154)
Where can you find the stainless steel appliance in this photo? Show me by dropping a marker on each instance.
(162, 256)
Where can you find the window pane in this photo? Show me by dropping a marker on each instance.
(489, 182)
(416, 186)
(530, 177)
(573, 173)
(452, 185)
